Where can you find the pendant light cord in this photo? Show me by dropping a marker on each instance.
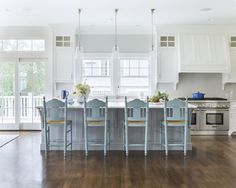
(116, 46)
(79, 11)
(152, 11)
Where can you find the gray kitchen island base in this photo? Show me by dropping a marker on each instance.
(116, 117)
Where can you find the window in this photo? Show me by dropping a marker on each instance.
(22, 45)
(233, 41)
(127, 76)
(97, 73)
(63, 41)
(167, 41)
(134, 76)
(9, 45)
(38, 45)
(0, 45)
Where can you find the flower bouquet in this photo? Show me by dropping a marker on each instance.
(81, 90)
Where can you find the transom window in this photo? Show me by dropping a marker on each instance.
(22, 45)
(96, 72)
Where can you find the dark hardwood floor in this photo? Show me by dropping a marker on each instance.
(212, 163)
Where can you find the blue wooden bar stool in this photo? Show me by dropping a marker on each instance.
(136, 115)
(55, 114)
(95, 115)
(175, 115)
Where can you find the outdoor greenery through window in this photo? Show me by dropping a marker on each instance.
(7, 92)
(30, 78)
(97, 73)
(22, 45)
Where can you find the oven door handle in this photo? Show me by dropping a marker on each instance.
(215, 109)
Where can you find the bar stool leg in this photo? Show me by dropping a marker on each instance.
(49, 139)
(161, 137)
(126, 140)
(185, 140)
(166, 141)
(105, 140)
(145, 144)
(65, 139)
(71, 137)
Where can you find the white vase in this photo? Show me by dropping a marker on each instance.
(80, 100)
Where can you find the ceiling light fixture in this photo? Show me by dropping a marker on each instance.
(115, 50)
(205, 9)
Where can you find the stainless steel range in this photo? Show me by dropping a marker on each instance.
(210, 117)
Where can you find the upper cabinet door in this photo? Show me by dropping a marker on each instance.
(64, 64)
(204, 53)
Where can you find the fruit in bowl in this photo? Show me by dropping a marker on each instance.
(159, 97)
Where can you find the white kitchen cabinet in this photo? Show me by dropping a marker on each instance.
(231, 77)
(232, 120)
(168, 66)
(63, 45)
(204, 53)
(64, 64)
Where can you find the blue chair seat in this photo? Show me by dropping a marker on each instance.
(59, 122)
(96, 123)
(177, 123)
(136, 123)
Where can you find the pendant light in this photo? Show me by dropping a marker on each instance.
(115, 50)
(79, 48)
(153, 52)
(153, 56)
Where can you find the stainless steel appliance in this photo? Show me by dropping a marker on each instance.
(210, 117)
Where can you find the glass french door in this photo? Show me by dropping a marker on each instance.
(22, 85)
(8, 112)
(31, 91)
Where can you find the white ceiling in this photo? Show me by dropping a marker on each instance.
(101, 12)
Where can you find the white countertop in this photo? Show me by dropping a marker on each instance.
(119, 104)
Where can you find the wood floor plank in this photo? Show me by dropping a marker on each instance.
(211, 164)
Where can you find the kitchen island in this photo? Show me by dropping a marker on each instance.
(116, 119)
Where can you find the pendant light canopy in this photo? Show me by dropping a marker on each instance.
(115, 50)
(79, 48)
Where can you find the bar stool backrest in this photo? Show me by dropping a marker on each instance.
(54, 110)
(136, 110)
(96, 109)
(176, 110)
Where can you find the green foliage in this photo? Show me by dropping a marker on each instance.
(32, 78)
(159, 96)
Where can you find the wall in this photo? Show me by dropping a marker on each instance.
(126, 43)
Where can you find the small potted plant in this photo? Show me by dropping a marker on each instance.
(159, 97)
